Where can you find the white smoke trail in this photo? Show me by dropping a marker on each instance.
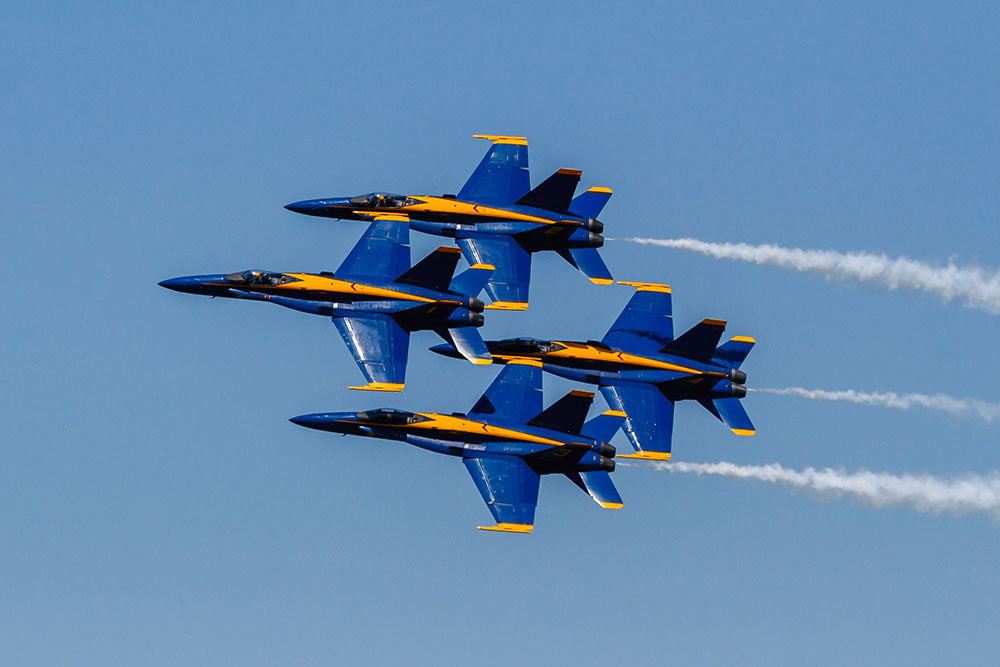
(961, 407)
(976, 287)
(960, 495)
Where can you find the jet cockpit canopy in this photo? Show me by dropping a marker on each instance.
(259, 278)
(390, 417)
(382, 200)
(528, 345)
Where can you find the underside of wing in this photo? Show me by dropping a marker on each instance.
(379, 346)
(515, 394)
(382, 254)
(649, 420)
(508, 284)
(646, 325)
(510, 488)
(502, 176)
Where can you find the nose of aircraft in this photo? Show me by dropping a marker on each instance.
(309, 206)
(324, 421)
(185, 284)
(446, 350)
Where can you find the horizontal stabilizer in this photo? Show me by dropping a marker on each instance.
(604, 426)
(567, 414)
(434, 271)
(589, 262)
(471, 281)
(469, 344)
(733, 415)
(733, 352)
(555, 193)
(698, 342)
(598, 485)
(590, 203)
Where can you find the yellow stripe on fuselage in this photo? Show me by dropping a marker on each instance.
(600, 355)
(439, 422)
(427, 204)
(310, 282)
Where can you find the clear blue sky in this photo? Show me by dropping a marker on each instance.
(157, 508)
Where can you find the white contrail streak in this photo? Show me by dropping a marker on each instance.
(960, 495)
(961, 407)
(976, 287)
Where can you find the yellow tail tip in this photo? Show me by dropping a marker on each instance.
(482, 362)
(502, 139)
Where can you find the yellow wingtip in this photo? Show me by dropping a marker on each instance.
(614, 413)
(508, 305)
(524, 528)
(482, 362)
(646, 455)
(646, 287)
(502, 139)
(602, 281)
(743, 431)
(611, 506)
(380, 386)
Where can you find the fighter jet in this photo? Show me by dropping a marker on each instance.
(497, 219)
(375, 299)
(506, 442)
(643, 370)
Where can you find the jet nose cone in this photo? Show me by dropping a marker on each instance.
(317, 421)
(307, 207)
(187, 284)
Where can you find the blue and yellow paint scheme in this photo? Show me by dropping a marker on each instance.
(375, 299)
(496, 218)
(507, 442)
(642, 370)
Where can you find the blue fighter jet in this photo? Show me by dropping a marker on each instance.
(506, 442)
(497, 219)
(643, 370)
(375, 299)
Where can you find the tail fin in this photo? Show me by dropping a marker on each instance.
(731, 413)
(469, 344)
(698, 342)
(598, 485)
(555, 193)
(589, 262)
(590, 203)
(567, 414)
(604, 426)
(471, 281)
(434, 271)
(733, 352)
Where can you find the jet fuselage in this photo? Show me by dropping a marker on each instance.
(459, 435)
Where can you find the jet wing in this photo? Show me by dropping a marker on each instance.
(502, 176)
(649, 422)
(379, 346)
(510, 488)
(382, 254)
(646, 325)
(508, 284)
(515, 394)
